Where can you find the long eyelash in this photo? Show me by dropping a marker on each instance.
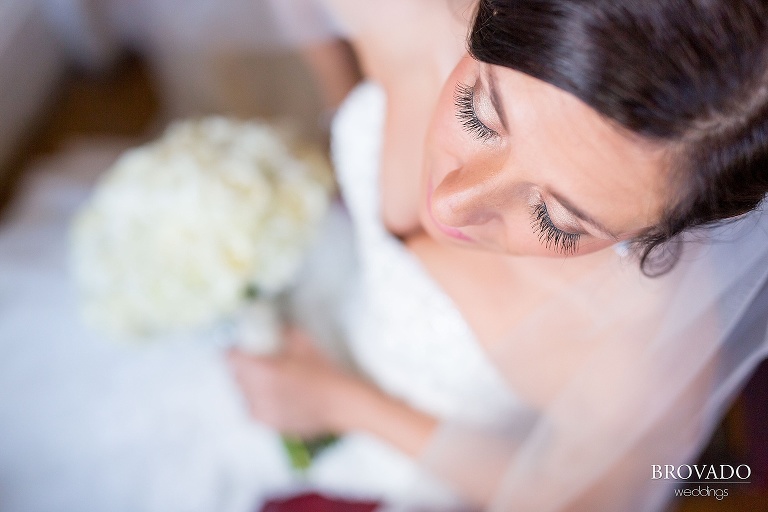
(550, 235)
(463, 99)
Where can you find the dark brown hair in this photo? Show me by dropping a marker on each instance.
(693, 73)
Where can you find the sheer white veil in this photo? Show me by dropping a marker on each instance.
(651, 365)
(660, 361)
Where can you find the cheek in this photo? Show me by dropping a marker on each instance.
(590, 244)
(523, 240)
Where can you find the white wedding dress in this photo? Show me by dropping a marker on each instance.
(404, 333)
(87, 425)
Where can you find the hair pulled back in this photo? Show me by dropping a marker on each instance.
(689, 73)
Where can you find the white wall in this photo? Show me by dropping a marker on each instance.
(31, 64)
(83, 29)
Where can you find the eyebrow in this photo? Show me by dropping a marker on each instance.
(577, 212)
(495, 99)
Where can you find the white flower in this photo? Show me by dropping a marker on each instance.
(179, 229)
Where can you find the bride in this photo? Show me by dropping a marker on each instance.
(533, 327)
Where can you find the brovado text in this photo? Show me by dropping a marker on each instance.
(724, 472)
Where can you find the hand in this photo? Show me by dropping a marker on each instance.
(299, 391)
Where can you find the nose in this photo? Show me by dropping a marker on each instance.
(469, 198)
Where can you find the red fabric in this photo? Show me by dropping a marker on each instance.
(314, 502)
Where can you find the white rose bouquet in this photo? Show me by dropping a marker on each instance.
(188, 230)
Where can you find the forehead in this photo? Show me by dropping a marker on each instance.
(570, 148)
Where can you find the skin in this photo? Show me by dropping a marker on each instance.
(463, 207)
(547, 146)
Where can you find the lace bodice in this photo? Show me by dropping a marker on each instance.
(405, 332)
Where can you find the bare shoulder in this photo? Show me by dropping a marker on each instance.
(409, 47)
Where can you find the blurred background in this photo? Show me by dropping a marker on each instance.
(126, 67)
(96, 76)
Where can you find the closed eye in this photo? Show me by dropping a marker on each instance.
(550, 235)
(464, 100)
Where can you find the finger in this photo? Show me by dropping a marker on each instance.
(237, 358)
(297, 343)
(234, 357)
(294, 333)
(254, 374)
(264, 411)
(241, 367)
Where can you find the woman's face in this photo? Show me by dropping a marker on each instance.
(518, 166)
